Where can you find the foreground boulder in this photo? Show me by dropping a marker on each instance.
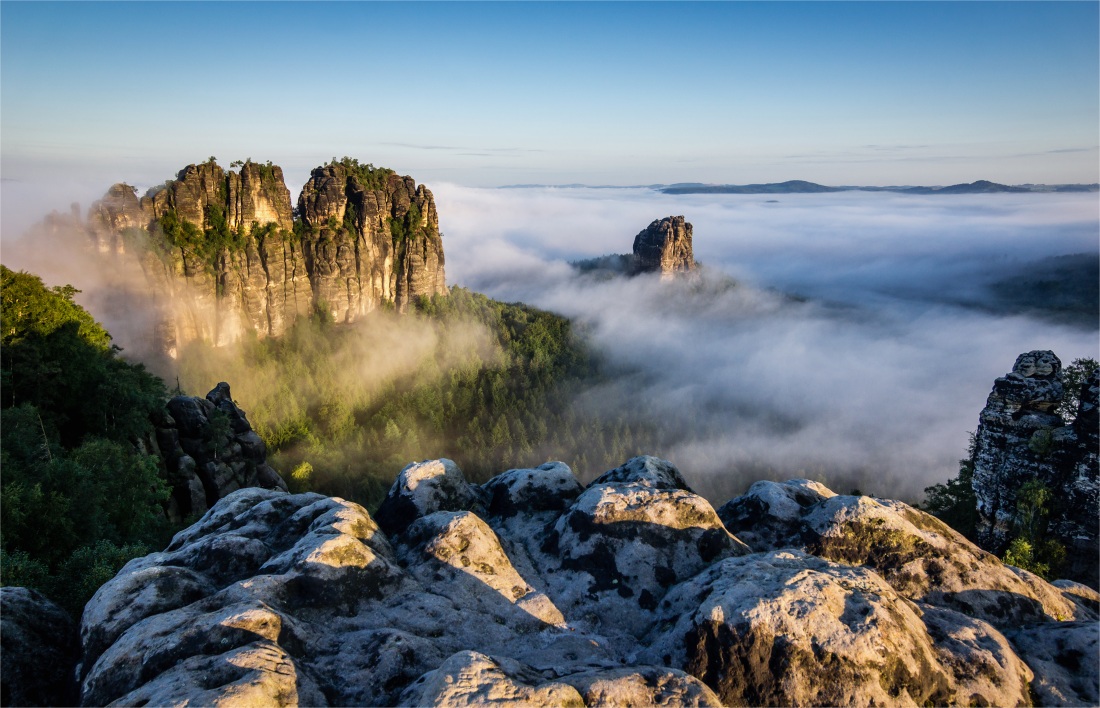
(38, 644)
(917, 554)
(532, 589)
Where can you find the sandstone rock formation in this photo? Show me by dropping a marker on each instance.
(38, 648)
(534, 589)
(664, 247)
(209, 450)
(1021, 437)
(373, 237)
(220, 255)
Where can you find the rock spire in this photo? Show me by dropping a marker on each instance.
(220, 253)
(1021, 437)
(664, 247)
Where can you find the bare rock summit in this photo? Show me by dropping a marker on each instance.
(533, 589)
(664, 247)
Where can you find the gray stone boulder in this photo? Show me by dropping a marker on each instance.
(770, 514)
(240, 574)
(472, 679)
(920, 556)
(38, 649)
(621, 545)
(642, 686)
(647, 471)
(533, 590)
(1063, 656)
(551, 487)
(424, 488)
(787, 628)
(459, 555)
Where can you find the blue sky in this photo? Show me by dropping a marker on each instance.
(610, 93)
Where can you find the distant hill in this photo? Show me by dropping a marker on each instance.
(798, 186)
(795, 186)
(982, 186)
(803, 187)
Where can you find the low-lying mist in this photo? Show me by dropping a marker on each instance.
(857, 341)
(851, 337)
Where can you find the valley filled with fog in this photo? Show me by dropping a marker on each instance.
(857, 341)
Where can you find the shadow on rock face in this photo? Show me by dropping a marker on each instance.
(532, 588)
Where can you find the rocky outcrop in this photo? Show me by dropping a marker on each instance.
(373, 237)
(220, 255)
(532, 589)
(38, 647)
(664, 247)
(1063, 657)
(1020, 438)
(209, 450)
(916, 554)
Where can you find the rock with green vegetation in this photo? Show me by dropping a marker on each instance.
(370, 237)
(214, 249)
(221, 253)
(208, 450)
(1036, 478)
(38, 646)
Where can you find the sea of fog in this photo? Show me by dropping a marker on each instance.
(855, 347)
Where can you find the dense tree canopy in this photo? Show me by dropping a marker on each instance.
(77, 496)
(488, 384)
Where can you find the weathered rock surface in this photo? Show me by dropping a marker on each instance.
(664, 247)
(1064, 659)
(1020, 438)
(531, 589)
(363, 245)
(369, 243)
(917, 554)
(38, 645)
(209, 450)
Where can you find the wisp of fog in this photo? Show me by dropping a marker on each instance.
(848, 337)
(856, 344)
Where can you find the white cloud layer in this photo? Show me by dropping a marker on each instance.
(873, 381)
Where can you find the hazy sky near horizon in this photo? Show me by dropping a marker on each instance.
(485, 94)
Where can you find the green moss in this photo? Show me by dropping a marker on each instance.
(367, 175)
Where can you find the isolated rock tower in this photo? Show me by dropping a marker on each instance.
(1021, 437)
(664, 247)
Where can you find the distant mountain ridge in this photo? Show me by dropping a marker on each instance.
(798, 186)
(802, 187)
